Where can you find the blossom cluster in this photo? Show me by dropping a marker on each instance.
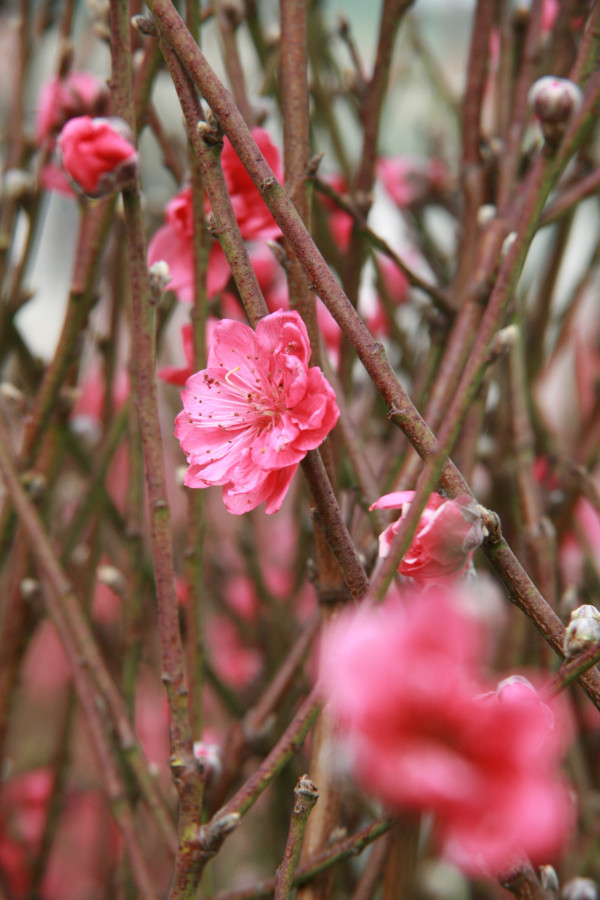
(417, 716)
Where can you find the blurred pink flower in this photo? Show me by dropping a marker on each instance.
(85, 847)
(98, 155)
(236, 663)
(173, 242)
(180, 374)
(447, 534)
(254, 412)
(580, 547)
(53, 178)
(550, 10)
(241, 597)
(405, 684)
(86, 420)
(23, 813)
(253, 216)
(409, 179)
(587, 370)
(61, 99)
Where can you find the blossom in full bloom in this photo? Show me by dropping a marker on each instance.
(173, 242)
(98, 155)
(256, 410)
(424, 732)
(447, 534)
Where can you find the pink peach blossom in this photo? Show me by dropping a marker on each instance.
(447, 534)
(173, 242)
(98, 155)
(61, 99)
(253, 414)
(252, 214)
(423, 732)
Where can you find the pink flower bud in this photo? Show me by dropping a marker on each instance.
(447, 534)
(210, 757)
(98, 155)
(554, 102)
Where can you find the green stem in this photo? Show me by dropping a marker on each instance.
(305, 797)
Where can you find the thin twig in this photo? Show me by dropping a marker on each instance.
(305, 797)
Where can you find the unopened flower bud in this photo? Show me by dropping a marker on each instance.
(29, 589)
(35, 484)
(583, 631)
(508, 242)
(210, 131)
(160, 275)
(580, 889)
(112, 578)
(486, 213)
(98, 155)
(503, 343)
(17, 184)
(210, 759)
(145, 25)
(549, 880)
(12, 396)
(80, 554)
(554, 102)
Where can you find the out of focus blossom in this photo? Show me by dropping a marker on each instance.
(209, 752)
(587, 370)
(410, 180)
(447, 534)
(581, 545)
(86, 415)
(550, 10)
(173, 242)
(234, 661)
(86, 420)
(86, 845)
(23, 813)
(423, 731)
(253, 216)
(241, 597)
(98, 155)
(253, 414)
(61, 99)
